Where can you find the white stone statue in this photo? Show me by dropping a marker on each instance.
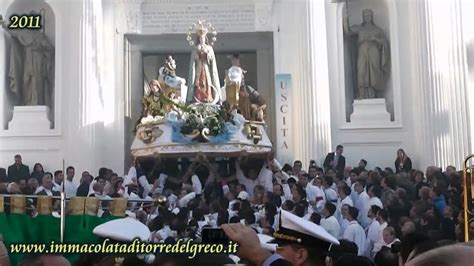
(31, 70)
(373, 60)
(167, 75)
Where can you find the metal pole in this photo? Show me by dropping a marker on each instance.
(63, 209)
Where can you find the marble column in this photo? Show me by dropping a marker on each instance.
(440, 82)
(301, 50)
(314, 138)
(84, 106)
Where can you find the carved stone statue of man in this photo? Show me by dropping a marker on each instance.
(373, 59)
(31, 70)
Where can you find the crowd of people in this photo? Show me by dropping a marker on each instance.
(384, 215)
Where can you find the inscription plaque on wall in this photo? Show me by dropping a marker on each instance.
(165, 18)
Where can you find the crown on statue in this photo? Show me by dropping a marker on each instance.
(201, 27)
(368, 10)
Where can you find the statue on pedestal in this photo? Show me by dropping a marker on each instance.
(204, 84)
(153, 103)
(168, 78)
(31, 70)
(242, 96)
(373, 57)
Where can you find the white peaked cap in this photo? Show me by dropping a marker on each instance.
(298, 230)
(264, 241)
(243, 195)
(124, 229)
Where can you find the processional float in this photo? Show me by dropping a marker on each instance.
(180, 120)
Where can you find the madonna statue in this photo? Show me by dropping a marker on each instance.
(203, 78)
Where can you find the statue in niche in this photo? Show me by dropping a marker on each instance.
(373, 56)
(31, 70)
(204, 84)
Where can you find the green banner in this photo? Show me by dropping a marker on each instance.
(22, 229)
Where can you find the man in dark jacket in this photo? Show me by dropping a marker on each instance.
(18, 170)
(83, 189)
(335, 160)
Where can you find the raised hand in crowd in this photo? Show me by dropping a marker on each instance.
(249, 244)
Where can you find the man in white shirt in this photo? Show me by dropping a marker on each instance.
(103, 173)
(330, 223)
(344, 198)
(130, 176)
(362, 203)
(314, 194)
(372, 230)
(263, 177)
(374, 196)
(344, 223)
(69, 187)
(58, 180)
(389, 236)
(382, 217)
(354, 232)
(331, 194)
(297, 166)
(312, 172)
(98, 190)
(347, 175)
(46, 188)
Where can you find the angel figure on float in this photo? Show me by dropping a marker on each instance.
(167, 76)
(204, 84)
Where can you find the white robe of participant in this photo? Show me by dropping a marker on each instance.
(332, 226)
(347, 200)
(344, 224)
(196, 183)
(314, 193)
(161, 183)
(132, 175)
(355, 233)
(380, 242)
(375, 201)
(331, 195)
(287, 192)
(354, 194)
(70, 189)
(264, 179)
(362, 204)
(372, 237)
(389, 245)
(56, 187)
(348, 181)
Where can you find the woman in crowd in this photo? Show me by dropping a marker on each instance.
(38, 172)
(403, 162)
